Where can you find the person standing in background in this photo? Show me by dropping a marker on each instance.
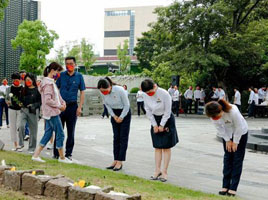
(3, 105)
(171, 90)
(189, 99)
(237, 99)
(197, 97)
(221, 93)
(252, 102)
(175, 101)
(140, 102)
(125, 88)
(261, 95)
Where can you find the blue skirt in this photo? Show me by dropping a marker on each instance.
(168, 138)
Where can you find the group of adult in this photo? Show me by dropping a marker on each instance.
(57, 95)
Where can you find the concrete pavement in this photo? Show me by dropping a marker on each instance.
(196, 161)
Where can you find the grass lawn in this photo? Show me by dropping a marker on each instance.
(150, 190)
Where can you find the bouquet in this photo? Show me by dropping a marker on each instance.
(15, 99)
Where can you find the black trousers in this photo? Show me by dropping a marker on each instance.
(239, 107)
(188, 106)
(140, 106)
(233, 164)
(69, 117)
(251, 109)
(3, 107)
(196, 104)
(175, 108)
(121, 133)
(105, 112)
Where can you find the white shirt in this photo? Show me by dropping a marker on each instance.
(3, 91)
(261, 93)
(231, 125)
(188, 94)
(171, 91)
(237, 99)
(203, 95)
(176, 95)
(256, 98)
(117, 99)
(215, 94)
(197, 94)
(139, 96)
(221, 94)
(159, 104)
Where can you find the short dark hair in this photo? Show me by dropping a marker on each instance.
(22, 71)
(71, 58)
(15, 75)
(147, 85)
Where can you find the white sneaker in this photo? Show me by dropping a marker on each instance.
(65, 160)
(49, 146)
(38, 159)
(26, 137)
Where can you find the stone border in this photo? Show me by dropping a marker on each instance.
(58, 187)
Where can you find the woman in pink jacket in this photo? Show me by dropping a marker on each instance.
(52, 106)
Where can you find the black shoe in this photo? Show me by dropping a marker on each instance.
(69, 157)
(230, 195)
(118, 169)
(111, 167)
(223, 193)
(154, 178)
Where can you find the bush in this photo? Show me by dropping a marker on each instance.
(134, 90)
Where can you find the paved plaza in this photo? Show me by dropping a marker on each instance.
(196, 161)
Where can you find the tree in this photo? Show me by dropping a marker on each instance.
(36, 41)
(223, 40)
(83, 52)
(124, 59)
(3, 5)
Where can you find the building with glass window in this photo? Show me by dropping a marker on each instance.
(15, 13)
(125, 24)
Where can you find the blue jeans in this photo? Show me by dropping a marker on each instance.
(53, 124)
(3, 106)
(69, 118)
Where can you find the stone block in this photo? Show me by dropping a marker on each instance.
(75, 193)
(2, 170)
(116, 196)
(34, 184)
(13, 179)
(58, 188)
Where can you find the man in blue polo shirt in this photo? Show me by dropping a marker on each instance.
(69, 83)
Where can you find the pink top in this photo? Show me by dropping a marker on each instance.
(51, 98)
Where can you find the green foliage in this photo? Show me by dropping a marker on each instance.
(82, 51)
(134, 90)
(36, 42)
(124, 59)
(222, 42)
(3, 5)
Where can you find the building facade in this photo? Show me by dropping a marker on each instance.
(126, 24)
(15, 13)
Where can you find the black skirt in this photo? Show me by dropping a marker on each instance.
(168, 138)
